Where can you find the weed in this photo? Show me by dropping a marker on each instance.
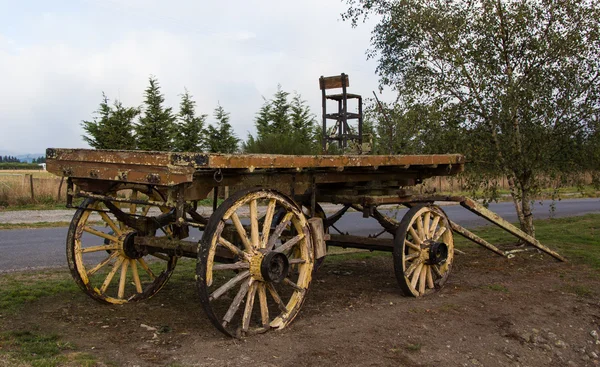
(416, 347)
(498, 288)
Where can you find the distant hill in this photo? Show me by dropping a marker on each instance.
(23, 157)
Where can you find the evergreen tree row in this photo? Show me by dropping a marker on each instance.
(285, 125)
(153, 126)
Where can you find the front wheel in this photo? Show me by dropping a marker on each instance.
(103, 257)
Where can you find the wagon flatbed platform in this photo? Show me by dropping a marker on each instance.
(172, 168)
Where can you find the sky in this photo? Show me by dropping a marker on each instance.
(57, 57)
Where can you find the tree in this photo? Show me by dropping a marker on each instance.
(221, 138)
(98, 134)
(284, 127)
(113, 128)
(190, 128)
(156, 127)
(522, 76)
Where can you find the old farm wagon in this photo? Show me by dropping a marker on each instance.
(262, 245)
(258, 243)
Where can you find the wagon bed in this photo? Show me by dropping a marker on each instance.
(171, 168)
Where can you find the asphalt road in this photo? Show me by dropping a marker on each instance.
(45, 247)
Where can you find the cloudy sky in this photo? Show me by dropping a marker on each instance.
(56, 58)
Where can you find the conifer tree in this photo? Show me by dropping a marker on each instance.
(221, 138)
(190, 128)
(96, 128)
(113, 128)
(156, 128)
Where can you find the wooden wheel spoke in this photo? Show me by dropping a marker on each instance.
(436, 270)
(426, 224)
(231, 247)
(99, 248)
(420, 230)
(103, 263)
(412, 256)
(241, 232)
(230, 284)
(100, 234)
(145, 210)
(264, 307)
(434, 225)
(430, 278)
(412, 267)
(279, 230)
(249, 306)
(254, 224)
(415, 236)
(145, 266)
(136, 277)
(235, 304)
(416, 275)
(267, 223)
(234, 266)
(296, 261)
(287, 281)
(111, 274)
(412, 245)
(111, 223)
(290, 243)
(422, 279)
(123, 279)
(439, 233)
(276, 298)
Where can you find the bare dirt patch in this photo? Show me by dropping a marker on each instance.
(528, 311)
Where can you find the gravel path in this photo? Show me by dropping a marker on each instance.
(65, 215)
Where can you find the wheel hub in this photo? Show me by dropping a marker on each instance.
(438, 253)
(127, 246)
(271, 267)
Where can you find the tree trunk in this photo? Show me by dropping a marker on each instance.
(516, 197)
(527, 223)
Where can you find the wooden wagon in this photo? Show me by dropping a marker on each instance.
(265, 240)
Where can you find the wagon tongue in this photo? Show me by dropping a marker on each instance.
(438, 253)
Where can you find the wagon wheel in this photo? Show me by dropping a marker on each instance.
(261, 267)
(423, 250)
(104, 260)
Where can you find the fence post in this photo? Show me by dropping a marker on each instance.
(31, 186)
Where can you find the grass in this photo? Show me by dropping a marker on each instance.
(577, 238)
(39, 350)
(17, 289)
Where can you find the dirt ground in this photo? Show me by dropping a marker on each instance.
(528, 311)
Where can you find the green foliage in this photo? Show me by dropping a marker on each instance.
(40, 350)
(112, 128)
(221, 138)
(156, 127)
(513, 85)
(284, 127)
(190, 127)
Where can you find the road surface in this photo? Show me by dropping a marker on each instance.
(45, 247)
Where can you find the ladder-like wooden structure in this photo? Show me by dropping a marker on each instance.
(342, 132)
